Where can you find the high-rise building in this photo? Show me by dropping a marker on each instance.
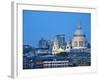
(43, 43)
(59, 44)
(61, 40)
(50, 44)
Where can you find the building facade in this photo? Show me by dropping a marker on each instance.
(78, 42)
(79, 39)
(43, 43)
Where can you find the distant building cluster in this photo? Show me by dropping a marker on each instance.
(59, 44)
(78, 42)
(59, 52)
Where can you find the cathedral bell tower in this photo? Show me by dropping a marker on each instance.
(68, 44)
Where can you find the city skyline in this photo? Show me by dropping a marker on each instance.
(47, 24)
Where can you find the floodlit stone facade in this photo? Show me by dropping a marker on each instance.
(78, 42)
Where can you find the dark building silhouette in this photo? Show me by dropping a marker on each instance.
(43, 43)
(61, 40)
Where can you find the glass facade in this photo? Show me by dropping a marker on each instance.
(61, 40)
(43, 43)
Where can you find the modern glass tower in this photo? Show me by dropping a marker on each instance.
(43, 43)
(61, 40)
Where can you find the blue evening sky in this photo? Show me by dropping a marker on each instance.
(47, 24)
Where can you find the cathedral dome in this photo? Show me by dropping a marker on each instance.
(79, 40)
(79, 32)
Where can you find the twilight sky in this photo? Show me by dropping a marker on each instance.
(47, 24)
